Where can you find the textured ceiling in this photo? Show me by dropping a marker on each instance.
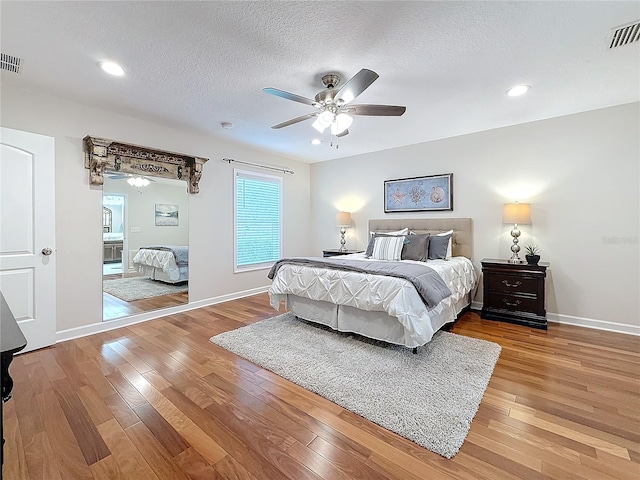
(202, 63)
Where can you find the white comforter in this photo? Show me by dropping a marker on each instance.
(395, 296)
(165, 260)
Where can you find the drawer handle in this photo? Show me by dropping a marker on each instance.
(517, 284)
(518, 302)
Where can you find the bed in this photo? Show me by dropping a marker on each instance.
(383, 308)
(165, 263)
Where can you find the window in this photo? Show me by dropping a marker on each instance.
(258, 220)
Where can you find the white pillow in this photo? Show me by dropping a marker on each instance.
(387, 248)
(450, 232)
(404, 231)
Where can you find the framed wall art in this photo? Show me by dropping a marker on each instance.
(166, 215)
(419, 194)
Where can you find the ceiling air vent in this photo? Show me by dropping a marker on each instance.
(10, 63)
(625, 34)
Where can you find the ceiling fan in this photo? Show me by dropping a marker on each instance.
(133, 180)
(333, 106)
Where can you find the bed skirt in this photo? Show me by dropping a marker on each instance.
(157, 274)
(376, 325)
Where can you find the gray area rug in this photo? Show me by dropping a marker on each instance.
(137, 288)
(430, 398)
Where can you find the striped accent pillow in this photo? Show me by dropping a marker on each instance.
(387, 248)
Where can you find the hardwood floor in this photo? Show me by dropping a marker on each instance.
(157, 400)
(114, 307)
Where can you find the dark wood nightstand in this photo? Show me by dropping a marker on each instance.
(337, 251)
(514, 292)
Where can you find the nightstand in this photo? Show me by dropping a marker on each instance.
(514, 292)
(337, 251)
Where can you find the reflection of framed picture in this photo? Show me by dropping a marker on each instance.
(431, 193)
(166, 215)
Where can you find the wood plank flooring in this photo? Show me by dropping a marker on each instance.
(114, 307)
(157, 400)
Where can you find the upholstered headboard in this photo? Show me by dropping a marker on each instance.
(462, 241)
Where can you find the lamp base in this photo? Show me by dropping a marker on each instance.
(343, 247)
(515, 248)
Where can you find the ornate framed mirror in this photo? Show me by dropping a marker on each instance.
(145, 224)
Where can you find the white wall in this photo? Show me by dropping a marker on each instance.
(579, 172)
(78, 205)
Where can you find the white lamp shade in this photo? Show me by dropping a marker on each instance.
(318, 125)
(519, 213)
(341, 123)
(326, 118)
(343, 219)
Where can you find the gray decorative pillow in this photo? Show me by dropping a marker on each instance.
(438, 245)
(416, 247)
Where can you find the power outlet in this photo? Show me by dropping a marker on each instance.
(136, 229)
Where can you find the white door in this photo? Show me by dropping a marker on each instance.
(27, 233)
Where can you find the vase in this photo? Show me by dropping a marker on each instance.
(532, 259)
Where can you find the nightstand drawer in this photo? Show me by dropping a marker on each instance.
(512, 284)
(514, 303)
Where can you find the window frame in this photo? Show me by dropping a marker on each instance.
(256, 175)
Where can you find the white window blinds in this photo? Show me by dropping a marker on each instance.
(258, 220)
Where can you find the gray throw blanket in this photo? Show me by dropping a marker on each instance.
(180, 253)
(428, 283)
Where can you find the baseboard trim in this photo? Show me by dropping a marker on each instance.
(583, 322)
(593, 323)
(71, 333)
(77, 332)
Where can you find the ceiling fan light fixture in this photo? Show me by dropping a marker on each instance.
(341, 123)
(138, 181)
(326, 118)
(318, 125)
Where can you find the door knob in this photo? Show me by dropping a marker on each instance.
(47, 251)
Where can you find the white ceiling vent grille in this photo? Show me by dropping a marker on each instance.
(10, 63)
(625, 34)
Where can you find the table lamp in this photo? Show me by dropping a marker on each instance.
(516, 213)
(343, 220)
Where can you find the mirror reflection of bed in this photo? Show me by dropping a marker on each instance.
(145, 245)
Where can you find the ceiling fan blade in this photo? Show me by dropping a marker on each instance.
(376, 110)
(296, 120)
(126, 176)
(356, 85)
(289, 96)
(346, 132)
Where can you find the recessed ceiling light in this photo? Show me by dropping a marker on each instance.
(112, 68)
(518, 90)
(316, 141)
